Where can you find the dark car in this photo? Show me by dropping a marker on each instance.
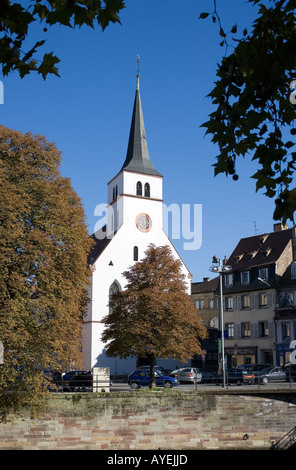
(232, 376)
(254, 368)
(290, 370)
(141, 378)
(272, 374)
(248, 376)
(207, 377)
(77, 380)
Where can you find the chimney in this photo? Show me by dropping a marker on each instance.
(279, 227)
(206, 279)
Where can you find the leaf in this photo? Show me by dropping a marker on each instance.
(234, 29)
(221, 32)
(48, 65)
(203, 15)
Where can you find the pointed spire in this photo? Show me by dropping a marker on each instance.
(137, 157)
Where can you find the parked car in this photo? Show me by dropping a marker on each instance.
(232, 376)
(290, 370)
(77, 380)
(248, 376)
(187, 374)
(207, 377)
(272, 374)
(159, 369)
(254, 368)
(141, 378)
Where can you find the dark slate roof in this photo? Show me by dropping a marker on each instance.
(259, 250)
(100, 242)
(205, 286)
(137, 157)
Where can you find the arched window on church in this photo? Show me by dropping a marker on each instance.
(114, 288)
(116, 192)
(139, 188)
(147, 190)
(136, 253)
(113, 194)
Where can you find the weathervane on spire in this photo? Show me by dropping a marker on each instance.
(138, 70)
(138, 62)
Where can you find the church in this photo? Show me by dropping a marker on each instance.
(134, 221)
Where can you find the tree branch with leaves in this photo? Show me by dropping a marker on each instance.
(16, 19)
(254, 116)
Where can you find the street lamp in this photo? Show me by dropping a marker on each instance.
(262, 280)
(219, 267)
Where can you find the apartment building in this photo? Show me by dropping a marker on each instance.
(285, 316)
(254, 321)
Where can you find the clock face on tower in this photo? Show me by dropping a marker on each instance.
(143, 222)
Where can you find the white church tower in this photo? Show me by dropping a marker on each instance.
(135, 220)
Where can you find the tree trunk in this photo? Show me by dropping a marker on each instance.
(152, 383)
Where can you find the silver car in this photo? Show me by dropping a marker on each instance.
(272, 374)
(187, 374)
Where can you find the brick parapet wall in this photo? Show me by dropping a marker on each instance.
(154, 420)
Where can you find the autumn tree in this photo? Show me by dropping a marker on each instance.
(255, 110)
(154, 316)
(43, 268)
(17, 17)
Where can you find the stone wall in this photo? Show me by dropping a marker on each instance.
(154, 420)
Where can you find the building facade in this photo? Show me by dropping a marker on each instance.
(285, 316)
(205, 298)
(258, 299)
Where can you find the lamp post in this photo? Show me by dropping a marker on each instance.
(219, 267)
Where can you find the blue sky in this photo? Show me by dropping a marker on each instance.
(87, 113)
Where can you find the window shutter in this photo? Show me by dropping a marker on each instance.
(271, 329)
(256, 301)
(234, 302)
(254, 330)
(237, 330)
(239, 302)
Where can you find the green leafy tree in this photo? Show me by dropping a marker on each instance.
(15, 20)
(154, 316)
(254, 115)
(44, 245)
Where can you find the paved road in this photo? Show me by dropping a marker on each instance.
(124, 387)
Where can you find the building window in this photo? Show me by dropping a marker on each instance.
(245, 301)
(263, 274)
(245, 277)
(263, 302)
(293, 270)
(211, 302)
(228, 280)
(230, 330)
(136, 253)
(147, 190)
(201, 304)
(246, 330)
(114, 288)
(286, 299)
(263, 328)
(229, 303)
(139, 188)
(286, 330)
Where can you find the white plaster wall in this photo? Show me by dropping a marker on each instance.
(118, 257)
(120, 252)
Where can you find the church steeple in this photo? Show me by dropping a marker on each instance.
(137, 157)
